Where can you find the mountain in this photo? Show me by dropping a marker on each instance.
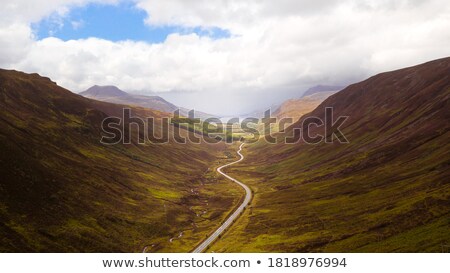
(387, 190)
(115, 95)
(295, 108)
(322, 88)
(108, 91)
(61, 190)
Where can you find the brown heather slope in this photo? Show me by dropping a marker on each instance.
(62, 191)
(388, 190)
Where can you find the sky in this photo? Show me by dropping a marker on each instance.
(224, 57)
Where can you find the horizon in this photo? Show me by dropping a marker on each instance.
(179, 99)
(182, 53)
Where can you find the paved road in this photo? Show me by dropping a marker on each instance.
(236, 213)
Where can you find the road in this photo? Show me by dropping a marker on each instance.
(248, 196)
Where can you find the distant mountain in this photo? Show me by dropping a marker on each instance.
(295, 108)
(322, 88)
(103, 92)
(386, 190)
(115, 95)
(61, 190)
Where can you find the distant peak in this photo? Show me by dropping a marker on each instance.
(104, 91)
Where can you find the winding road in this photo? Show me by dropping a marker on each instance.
(248, 196)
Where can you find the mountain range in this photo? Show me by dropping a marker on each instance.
(115, 95)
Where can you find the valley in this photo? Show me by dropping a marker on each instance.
(387, 190)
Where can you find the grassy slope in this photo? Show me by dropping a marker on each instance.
(386, 191)
(61, 191)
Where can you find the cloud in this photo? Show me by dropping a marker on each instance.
(273, 44)
(25, 11)
(77, 24)
(15, 40)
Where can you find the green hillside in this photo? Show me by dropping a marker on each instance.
(388, 190)
(63, 191)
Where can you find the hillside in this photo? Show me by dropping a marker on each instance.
(63, 191)
(387, 190)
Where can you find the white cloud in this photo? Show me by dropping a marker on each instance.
(15, 40)
(26, 11)
(272, 44)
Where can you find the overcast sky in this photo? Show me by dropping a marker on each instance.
(227, 56)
